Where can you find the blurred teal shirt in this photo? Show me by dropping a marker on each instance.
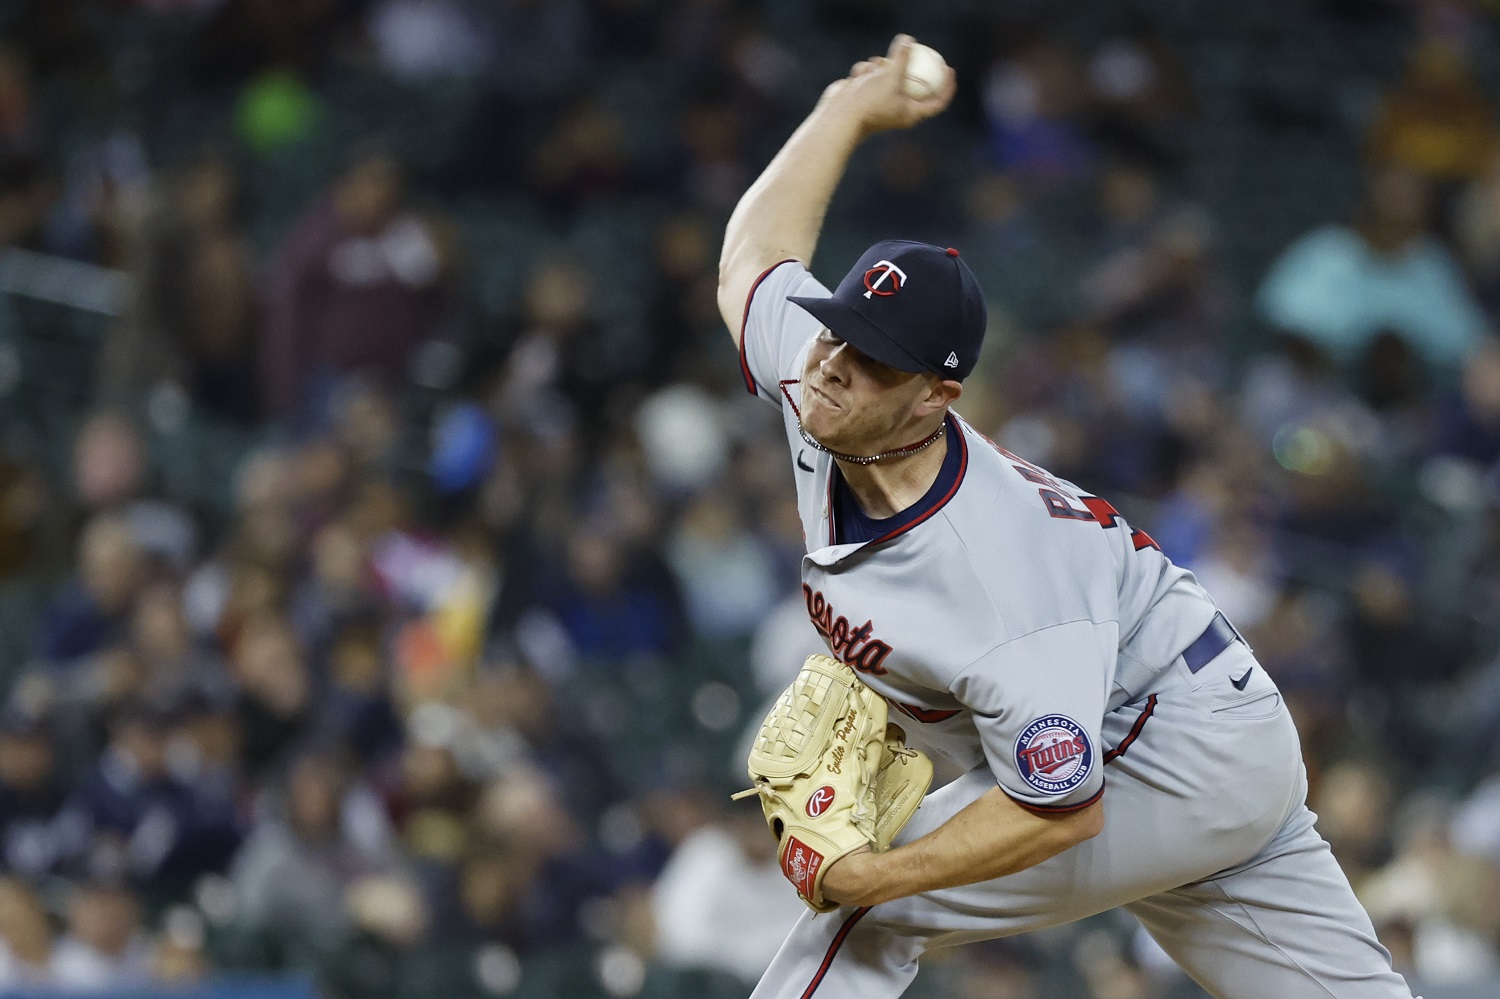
(1332, 288)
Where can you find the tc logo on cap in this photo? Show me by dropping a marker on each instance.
(886, 270)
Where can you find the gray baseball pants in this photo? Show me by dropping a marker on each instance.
(1207, 840)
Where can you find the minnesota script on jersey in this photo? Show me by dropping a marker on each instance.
(1009, 619)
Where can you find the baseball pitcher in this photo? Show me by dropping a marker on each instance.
(1121, 745)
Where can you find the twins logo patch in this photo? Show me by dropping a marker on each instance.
(1053, 754)
(818, 801)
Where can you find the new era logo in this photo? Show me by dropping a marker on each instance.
(952, 361)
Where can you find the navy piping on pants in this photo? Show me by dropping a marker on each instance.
(833, 949)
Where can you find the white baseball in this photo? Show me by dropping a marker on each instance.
(926, 72)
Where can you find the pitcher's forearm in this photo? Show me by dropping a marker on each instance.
(991, 837)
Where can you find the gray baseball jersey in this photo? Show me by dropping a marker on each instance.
(1030, 635)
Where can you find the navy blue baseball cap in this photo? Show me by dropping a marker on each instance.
(913, 306)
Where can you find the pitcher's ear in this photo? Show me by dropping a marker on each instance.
(941, 393)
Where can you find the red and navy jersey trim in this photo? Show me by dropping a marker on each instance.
(951, 474)
(1054, 809)
(1134, 733)
(833, 949)
(956, 433)
(750, 385)
(926, 716)
(787, 395)
(833, 534)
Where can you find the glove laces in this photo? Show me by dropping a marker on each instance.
(861, 814)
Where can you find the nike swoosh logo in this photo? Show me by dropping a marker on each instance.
(1240, 683)
(804, 467)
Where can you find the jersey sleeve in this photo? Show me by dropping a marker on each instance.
(1038, 702)
(774, 330)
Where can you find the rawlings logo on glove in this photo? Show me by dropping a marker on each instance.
(832, 776)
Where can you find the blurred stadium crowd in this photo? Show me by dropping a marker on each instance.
(390, 560)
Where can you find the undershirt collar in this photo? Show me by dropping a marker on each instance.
(852, 526)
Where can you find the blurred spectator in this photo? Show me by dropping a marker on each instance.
(340, 590)
(275, 702)
(23, 512)
(1141, 92)
(1155, 281)
(1394, 651)
(1476, 822)
(1032, 103)
(1001, 969)
(37, 832)
(421, 40)
(177, 668)
(1353, 801)
(111, 471)
(532, 870)
(25, 938)
(1340, 286)
(357, 705)
(27, 192)
(720, 903)
(104, 189)
(908, 193)
(581, 160)
(360, 283)
(1393, 380)
(1108, 966)
(1437, 121)
(148, 817)
(297, 865)
(1293, 386)
(726, 574)
(387, 919)
(109, 461)
(1450, 902)
(92, 609)
(194, 322)
(435, 797)
(610, 608)
(682, 318)
(553, 348)
(1475, 224)
(491, 885)
(707, 165)
(785, 638)
(512, 699)
(684, 438)
(540, 48)
(105, 946)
